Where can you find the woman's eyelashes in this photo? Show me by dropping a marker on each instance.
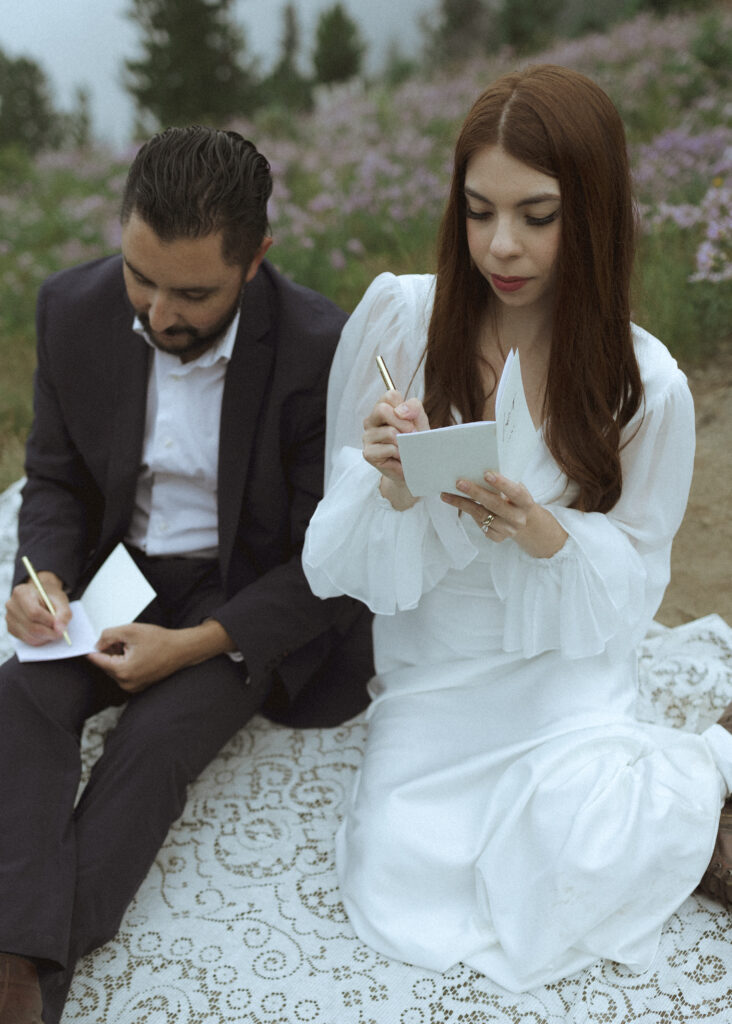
(536, 222)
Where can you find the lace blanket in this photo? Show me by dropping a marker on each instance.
(239, 920)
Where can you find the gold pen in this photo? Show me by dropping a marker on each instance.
(40, 588)
(385, 375)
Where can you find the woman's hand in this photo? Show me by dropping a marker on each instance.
(390, 417)
(506, 509)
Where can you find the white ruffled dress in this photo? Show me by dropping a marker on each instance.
(511, 813)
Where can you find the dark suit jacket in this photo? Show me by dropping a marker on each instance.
(84, 452)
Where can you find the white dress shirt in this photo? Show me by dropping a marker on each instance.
(176, 506)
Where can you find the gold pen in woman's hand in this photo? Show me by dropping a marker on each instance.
(385, 375)
(41, 590)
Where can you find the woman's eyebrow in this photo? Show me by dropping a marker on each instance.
(543, 197)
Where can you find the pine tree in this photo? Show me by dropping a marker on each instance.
(339, 48)
(190, 69)
(528, 25)
(27, 115)
(286, 86)
(463, 28)
(79, 120)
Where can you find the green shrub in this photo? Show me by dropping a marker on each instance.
(712, 47)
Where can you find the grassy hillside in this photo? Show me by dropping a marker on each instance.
(360, 186)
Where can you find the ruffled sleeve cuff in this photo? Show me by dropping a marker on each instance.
(586, 598)
(358, 544)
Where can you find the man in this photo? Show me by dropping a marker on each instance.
(179, 407)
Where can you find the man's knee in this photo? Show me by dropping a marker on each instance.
(183, 721)
(64, 693)
(26, 687)
(337, 692)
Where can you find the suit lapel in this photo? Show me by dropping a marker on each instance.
(244, 392)
(127, 412)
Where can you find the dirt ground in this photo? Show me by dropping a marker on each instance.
(701, 562)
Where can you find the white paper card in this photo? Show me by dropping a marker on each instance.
(115, 596)
(517, 435)
(434, 460)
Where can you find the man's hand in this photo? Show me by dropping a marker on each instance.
(138, 655)
(28, 618)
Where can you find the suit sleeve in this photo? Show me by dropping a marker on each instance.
(276, 621)
(60, 498)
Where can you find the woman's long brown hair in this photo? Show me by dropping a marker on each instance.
(562, 124)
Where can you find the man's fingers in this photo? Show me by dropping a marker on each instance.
(29, 619)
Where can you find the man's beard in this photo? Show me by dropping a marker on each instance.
(197, 342)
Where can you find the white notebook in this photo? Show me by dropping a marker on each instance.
(434, 460)
(115, 596)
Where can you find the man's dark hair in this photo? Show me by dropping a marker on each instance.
(195, 181)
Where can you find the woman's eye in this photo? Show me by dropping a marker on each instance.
(475, 215)
(538, 222)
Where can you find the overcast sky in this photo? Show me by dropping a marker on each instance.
(84, 42)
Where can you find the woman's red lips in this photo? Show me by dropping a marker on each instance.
(508, 284)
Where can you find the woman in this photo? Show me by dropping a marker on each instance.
(510, 812)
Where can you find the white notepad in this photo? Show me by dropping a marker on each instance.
(115, 596)
(433, 460)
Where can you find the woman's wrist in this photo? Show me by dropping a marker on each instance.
(397, 494)
(542, 536)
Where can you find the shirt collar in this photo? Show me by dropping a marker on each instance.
(221, 351)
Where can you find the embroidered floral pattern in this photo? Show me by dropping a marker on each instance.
(240, 919)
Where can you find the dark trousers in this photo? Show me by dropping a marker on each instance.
(67, 873)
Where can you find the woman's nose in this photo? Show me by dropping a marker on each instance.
(505, 241)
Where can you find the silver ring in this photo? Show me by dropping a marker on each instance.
(486, 524)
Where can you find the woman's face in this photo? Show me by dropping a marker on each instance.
(513, 228)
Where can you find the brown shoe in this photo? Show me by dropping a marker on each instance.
(20, 993)
(726, 719)
(717, 879)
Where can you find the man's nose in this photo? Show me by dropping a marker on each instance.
(161, 312)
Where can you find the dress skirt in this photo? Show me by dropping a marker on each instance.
(495, 824)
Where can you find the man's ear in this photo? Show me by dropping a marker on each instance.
(258, 257)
